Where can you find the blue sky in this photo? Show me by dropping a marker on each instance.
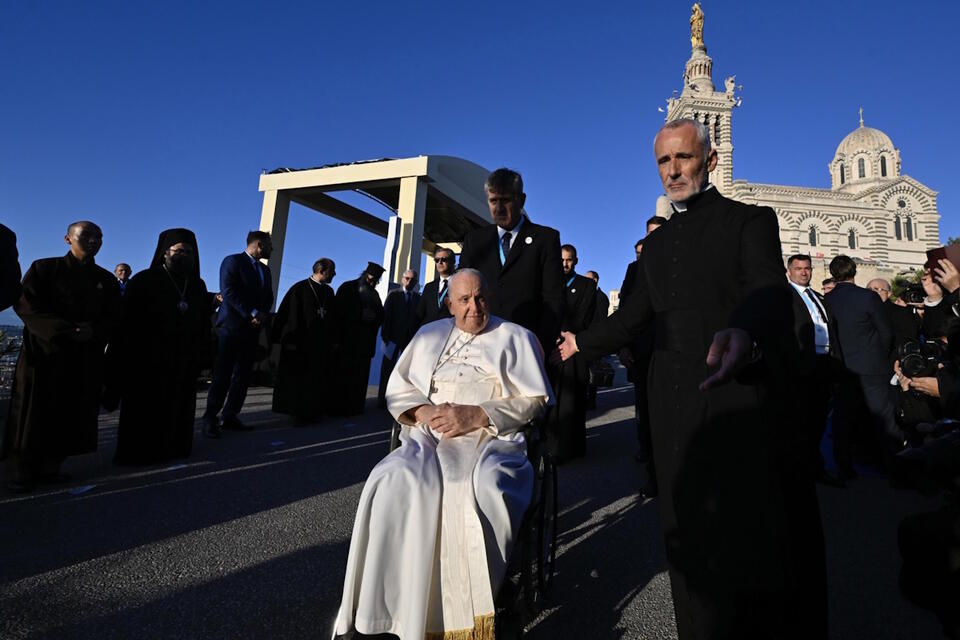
(144, 116)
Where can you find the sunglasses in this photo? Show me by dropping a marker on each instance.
(443, 259)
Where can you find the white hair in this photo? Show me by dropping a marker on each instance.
(703, 132)
(469, 272)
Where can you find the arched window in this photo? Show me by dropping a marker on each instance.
(813, 236)
(883, 166)
(897, 230)
(909, 225)
(842, 179)
(861, 168)
(851, 239)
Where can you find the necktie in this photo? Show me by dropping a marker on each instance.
(816, 303)
(442, 292)
(505, 245)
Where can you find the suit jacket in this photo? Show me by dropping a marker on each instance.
(528, 288)
(579, 303)
(629, 281)
(399, 318)
(9, 269)
(243, 293)
(905, 324)
(428, 307)
(804, 329)
(603, 306)
(864, 334)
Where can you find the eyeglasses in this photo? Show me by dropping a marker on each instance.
(443, 259)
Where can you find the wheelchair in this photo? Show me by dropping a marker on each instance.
(532, 563)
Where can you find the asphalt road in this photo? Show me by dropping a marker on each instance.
(248, 539)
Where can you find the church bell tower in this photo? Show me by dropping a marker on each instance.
(700, 101)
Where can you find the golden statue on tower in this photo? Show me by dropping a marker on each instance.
(696, 26)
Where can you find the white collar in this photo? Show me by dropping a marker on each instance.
(680, 207)
(515, 231)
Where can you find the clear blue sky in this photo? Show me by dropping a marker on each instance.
(144, 116)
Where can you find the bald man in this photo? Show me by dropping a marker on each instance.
(69, 309)
(904, 320)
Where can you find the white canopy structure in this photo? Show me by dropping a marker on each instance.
(436, 200)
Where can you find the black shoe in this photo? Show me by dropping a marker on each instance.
(829, 480)
(211, 427)
(232, 423)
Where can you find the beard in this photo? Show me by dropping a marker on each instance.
(180, 265)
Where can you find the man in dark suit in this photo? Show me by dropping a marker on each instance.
(432, 305)
(519, 259)
(10, 274)
(816, 365)
(399, 325)
(903, 319)
(864, 338)
(741, 522)
(247, 289)
(567, 427)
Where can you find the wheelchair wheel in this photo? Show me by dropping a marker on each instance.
(547, 543)
(540, 545)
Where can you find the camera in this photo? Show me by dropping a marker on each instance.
(920, 359)
(914, 294)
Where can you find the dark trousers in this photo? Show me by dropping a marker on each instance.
(814, 391)
(231, 372)
(864, 401)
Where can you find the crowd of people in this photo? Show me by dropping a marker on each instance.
(737, 367)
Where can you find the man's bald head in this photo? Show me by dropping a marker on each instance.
(85, 239)
(881, 287)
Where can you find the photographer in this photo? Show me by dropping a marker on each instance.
(941, 286)
(928, 541)
(903, 317)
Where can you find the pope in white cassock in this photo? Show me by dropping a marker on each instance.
(438, 516)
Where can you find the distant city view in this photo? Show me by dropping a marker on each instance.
(10, 349)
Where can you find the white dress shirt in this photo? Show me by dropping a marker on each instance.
(515, 231)
(821, 332)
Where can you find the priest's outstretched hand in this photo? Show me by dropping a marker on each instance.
(566, 347)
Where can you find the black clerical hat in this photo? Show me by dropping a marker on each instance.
(374, 269)
(171, 237)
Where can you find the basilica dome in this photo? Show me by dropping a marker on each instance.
(866, 139)
(863, 158)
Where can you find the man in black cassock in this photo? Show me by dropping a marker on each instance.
(399, 325)
(159, 351)
(69, 307)
(740, 518)
(9, 268)
(360, 314)
(599, 313)
(567, 427)
(305, 327)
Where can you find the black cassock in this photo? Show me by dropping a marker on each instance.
(359, 315)
(59, 381)
(567, 422)
(740, 518)
(160, 353)
(304, 327)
